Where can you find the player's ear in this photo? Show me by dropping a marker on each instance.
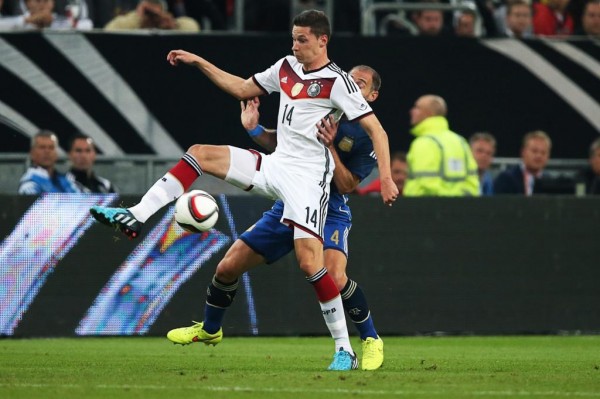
(372, 96)
(323, 40)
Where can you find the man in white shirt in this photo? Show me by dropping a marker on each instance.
(40, 15)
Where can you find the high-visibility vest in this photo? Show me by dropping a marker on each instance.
(440, 162)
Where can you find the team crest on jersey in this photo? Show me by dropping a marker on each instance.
(346, 144)
(314, 89)
(296, 89)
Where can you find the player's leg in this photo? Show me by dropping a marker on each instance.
(217, 161)
(266, 241)
(355, 303)
(220, 294)
(309, 252)
(335, 242)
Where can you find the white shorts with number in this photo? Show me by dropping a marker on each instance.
(305, 199)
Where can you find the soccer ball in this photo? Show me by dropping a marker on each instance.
(196, 211)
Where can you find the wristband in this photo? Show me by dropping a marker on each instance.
(257, 131)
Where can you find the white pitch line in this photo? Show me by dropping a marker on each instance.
(303, 390)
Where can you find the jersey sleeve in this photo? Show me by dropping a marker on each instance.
(268, 80)
(347, 97)
(362, 160)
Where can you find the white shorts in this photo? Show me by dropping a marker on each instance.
(305, 199)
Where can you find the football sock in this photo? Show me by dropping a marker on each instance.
(355, 303)
(168, 188)
(218, 298)
(332, 308)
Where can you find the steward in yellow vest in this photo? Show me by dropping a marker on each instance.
(440, 161)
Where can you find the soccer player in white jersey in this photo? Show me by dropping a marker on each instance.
(299, 172)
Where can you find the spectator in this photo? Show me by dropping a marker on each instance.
(591, 174)
(551, 19)
(464, 24)
(152, 14)
(520, 179)
(429, 22)
(440, 162)
(518, 20)
(82, 154)
(399, 169)
(483, 146)
(40, 14)
(42, 176)
(215, 13)
(590, 20)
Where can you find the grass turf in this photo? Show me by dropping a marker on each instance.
(440, 367)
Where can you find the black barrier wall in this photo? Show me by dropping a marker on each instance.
(490, 85)
(475, 266)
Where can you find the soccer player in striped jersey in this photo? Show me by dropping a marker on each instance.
(269, 240)
(298, 172)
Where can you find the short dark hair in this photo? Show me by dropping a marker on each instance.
(316, 20)
(398, 156)
(515, 3)
(80, 136)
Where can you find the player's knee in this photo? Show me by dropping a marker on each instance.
(339, 278)
(227, 271)
(198, 151)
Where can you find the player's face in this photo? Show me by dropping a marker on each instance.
(483, 152)
(82, 154)
(44, 152)
(364, 81)
(306, 46)
(535, 154)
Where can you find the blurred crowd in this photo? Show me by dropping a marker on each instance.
(474, 18)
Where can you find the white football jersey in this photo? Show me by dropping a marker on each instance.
(306, 98)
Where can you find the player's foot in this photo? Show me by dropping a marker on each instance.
(195, 333)
(343, 361)
(119, 218)
(372, 349)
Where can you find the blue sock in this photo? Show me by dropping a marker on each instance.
(355, 303)
(219, 298)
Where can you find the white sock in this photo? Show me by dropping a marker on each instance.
(165, 190)
(333, 313)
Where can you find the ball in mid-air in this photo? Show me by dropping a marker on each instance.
(196, 211)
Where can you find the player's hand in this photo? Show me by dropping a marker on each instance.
(327, 130)
(250, 115)
(389, 191)
(175, 57)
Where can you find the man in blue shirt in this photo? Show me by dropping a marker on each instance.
(269, 240)
(42, 176)
(483, 146)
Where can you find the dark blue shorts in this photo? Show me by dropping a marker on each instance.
(273, 240)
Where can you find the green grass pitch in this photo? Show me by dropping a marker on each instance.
(414, 367)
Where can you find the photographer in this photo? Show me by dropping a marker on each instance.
(152, 14)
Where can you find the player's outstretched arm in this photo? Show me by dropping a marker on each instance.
(266, 138)
(389, 191)
(231, 84)
(345, 181)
